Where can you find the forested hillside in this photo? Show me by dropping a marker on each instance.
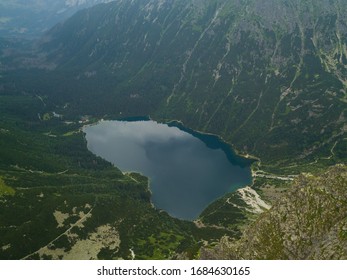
(269, 77)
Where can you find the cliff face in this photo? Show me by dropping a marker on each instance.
(308, 222)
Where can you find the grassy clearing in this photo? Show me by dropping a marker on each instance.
(5, 190)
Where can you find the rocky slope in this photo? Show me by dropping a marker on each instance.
(269, 77)
(309, 222)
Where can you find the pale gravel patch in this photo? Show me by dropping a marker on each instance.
(87, 206)
(132, 254)
(71, 236)
(41, 195)
(60, 217)
(105, 236)
(253, 200)
(6, 247)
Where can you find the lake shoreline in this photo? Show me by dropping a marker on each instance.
(216, 179)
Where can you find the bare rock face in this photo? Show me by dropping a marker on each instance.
(309, 222)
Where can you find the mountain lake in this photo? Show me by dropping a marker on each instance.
(187, 170)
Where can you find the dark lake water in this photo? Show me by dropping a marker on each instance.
(187, 170)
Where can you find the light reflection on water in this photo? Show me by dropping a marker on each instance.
(185, 175)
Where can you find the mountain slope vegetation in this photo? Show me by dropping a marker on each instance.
(269, 77)
(309, 222)
(59, 201)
